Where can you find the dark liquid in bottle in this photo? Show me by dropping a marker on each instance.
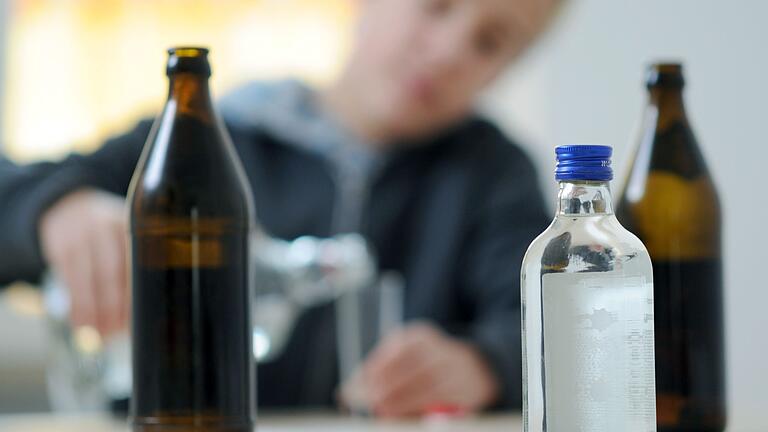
(689, 349)
(186, 355)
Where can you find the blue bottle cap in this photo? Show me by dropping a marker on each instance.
(584, 162)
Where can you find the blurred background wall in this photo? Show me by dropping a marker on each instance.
(88, 68)
(3, 33)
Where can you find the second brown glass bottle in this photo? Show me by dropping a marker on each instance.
(671, 203)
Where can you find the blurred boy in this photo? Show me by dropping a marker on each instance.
(391, 150)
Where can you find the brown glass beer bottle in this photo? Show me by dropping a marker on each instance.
(670, 202)
(191, 213)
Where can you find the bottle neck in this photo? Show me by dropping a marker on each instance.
(584, 198)
(191, 95)
(668, 102)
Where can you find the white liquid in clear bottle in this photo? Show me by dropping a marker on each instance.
(587, 296)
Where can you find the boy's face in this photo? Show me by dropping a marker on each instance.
(418, 64)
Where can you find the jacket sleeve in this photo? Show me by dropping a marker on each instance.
(509, 215)
(26, 191)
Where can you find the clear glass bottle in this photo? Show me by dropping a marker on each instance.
(587, 296)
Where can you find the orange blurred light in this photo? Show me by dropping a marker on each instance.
(80, 70)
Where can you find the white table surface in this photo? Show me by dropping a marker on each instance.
(270, 423)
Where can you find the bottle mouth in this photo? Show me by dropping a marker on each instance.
(584, 162)
(666, 74)
(193, 60)
(188, 51)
